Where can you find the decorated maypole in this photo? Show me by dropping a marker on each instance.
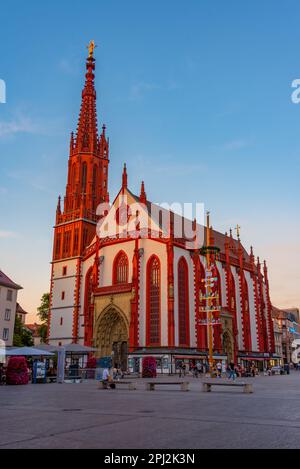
(210, 300)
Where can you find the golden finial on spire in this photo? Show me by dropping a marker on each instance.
(91, 48)
(237, 229)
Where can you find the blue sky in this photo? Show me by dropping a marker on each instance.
(196, 97)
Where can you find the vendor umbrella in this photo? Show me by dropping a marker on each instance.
(24, 352)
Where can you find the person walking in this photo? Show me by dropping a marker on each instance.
(199, 368)
(105, 377)
(219, 370)
(231, 371)
(180, 370)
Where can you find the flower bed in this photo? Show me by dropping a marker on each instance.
(149, 367)
(17, 371)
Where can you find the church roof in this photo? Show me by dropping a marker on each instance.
(5, 281)
(220, 239)
(20, 310)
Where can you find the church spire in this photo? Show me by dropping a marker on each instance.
(124, 177)
(87, 132)
(143, 197)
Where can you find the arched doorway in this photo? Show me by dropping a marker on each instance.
(112, 336)
(228, 346)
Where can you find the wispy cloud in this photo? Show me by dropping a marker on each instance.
(235, 144)
(21, 124)
(70, 67)
(38, 180)
(181, 169)
(8, 234)
(138, 90)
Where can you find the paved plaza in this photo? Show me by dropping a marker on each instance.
(81, 416)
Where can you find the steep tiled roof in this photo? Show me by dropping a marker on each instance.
(5, 281)
(34, 328)
(219, 238)
(20, 310)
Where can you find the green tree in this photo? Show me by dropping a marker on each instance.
(43, 309)
(43, 331)
(43, 314)
(22, 335)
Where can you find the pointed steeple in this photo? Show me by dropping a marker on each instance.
(252, 258)
(143, 197)
(87, 132)
(58, 205)
(124, 177)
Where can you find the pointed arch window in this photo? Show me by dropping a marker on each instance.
(183, 303)
(73, 176)
(83, 177)
(120, 268)
(153, 301)
(94, 179)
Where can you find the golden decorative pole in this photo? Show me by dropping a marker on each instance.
(211, 296)
(208, 293)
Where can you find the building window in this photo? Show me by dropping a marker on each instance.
(76, 242)
(61, 321)
(57, 245)
(64, 270)
(183, 303)
(73, 176)
(9, 295)
(66, 244)
(83, 177)
(120, 268)
(85, 237)
(62, 295)
(94, 184)
(7, 315)
(153, 302)
(5, 333)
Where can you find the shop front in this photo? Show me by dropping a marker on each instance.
(260, 360)
(169, 361)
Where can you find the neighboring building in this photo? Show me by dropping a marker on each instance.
(140, 292)
(277, 327)
(8, 303)
(34, 329)
(21, 313)
(287, 321)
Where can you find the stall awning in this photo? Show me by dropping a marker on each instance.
(24, 352)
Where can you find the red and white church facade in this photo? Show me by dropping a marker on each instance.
(139, 290)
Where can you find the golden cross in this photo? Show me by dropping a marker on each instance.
(237, 229)
(91, 48)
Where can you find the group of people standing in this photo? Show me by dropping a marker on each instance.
(232, 371)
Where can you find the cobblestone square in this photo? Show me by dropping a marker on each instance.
(82, 416)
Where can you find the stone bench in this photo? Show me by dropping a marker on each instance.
(247, 387)
(184, 385)
(105, 384)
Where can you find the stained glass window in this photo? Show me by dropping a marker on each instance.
(154, 302)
